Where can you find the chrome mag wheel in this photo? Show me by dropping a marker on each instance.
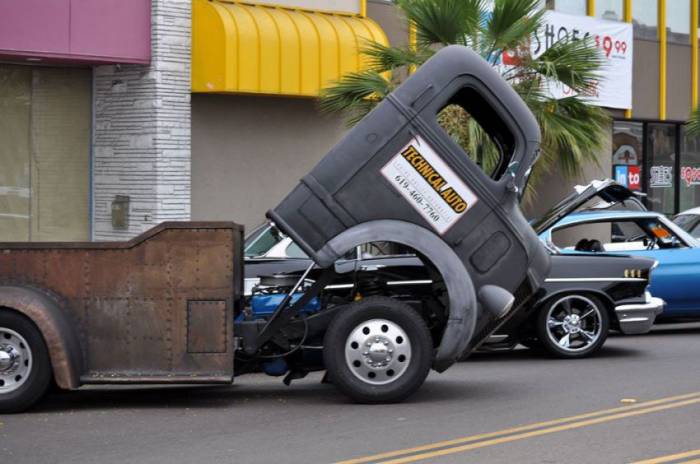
(15, 360)
(378, 351)
(574, 323)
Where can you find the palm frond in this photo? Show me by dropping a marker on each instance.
(573, 132)
(444, 22)
(511, 24)
(382, 58)
(355, 94)
(575, 63)
(693, 125)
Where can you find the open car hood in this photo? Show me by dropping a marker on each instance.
(610, 194)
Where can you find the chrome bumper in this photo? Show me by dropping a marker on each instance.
(638, 318)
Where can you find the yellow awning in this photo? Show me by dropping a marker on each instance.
(263, 49)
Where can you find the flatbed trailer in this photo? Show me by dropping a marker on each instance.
(167, 307)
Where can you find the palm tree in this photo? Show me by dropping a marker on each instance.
(694, 122)
(573, 131)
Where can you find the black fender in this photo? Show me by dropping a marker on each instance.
(461, 319)
(610, 304)
(59, 335)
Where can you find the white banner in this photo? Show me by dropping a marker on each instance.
(613, 38)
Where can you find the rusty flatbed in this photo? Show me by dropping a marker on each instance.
(158, 308)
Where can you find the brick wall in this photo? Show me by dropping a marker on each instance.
(141, 140)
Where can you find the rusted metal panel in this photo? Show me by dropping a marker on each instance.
(206, 327)
(130, 301)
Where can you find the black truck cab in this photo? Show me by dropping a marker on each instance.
(397, 176)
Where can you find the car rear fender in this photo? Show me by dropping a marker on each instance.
(59, 335)
(462, 298)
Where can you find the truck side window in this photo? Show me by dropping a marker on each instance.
(474, 126)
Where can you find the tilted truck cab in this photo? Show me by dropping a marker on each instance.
(397, 176)
(167, 306)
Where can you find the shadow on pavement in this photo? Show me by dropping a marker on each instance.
(247, 393)
(539, 355)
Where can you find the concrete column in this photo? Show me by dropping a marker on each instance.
(142, 130)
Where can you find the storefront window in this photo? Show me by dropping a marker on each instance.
(661, 159)
(678, 21)
(627, 155)
(690, 171)
(574, 7)
(45, 117)
(644, 18)
(612, 10)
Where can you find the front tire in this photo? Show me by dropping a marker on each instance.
(573, 326)
(377, 350)
(25, 368)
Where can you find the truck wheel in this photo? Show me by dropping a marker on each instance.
(377, 350)
(573, 326)
(25, 369)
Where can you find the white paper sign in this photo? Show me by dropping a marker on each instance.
(614, 39)
(429, 185)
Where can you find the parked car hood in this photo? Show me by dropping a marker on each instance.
(608, 191)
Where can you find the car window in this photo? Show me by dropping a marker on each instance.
(688, 222)
(574, 237)
(260, 243)
(295, 251)
(662, 236)
(616, 236)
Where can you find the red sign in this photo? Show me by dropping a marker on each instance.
(634, 178)
(691, 175)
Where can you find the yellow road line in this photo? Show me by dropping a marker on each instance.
(537, 433)
(670, 457)
(692, 461)
(524, 428)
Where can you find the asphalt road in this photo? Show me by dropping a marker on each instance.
(495, 408)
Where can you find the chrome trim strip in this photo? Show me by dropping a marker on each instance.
(390, 283)
(410, 282)
(338, 286)
(596, 279)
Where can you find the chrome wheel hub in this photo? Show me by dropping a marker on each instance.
(574, 322)
(378, 351)
(15, 360)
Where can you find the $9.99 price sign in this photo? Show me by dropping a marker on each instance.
(614, 39)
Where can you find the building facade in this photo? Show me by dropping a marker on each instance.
(117, 115)
(649, 149)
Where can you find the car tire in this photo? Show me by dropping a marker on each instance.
(573, 325)
(377, 350)
(25, 368)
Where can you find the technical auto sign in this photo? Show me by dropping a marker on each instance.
(613, 38)
(429, 185)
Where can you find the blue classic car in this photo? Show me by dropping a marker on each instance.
(605, 217)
